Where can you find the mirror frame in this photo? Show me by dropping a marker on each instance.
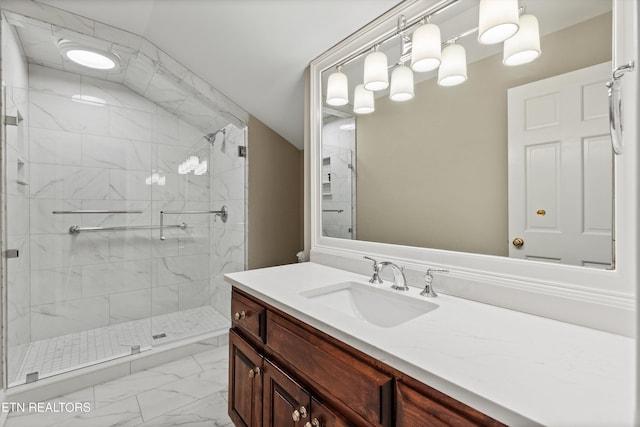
(614, 288)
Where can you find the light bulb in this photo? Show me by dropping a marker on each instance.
(498, 20)
(376, 76)
(337, 89)
(453, 69)
(524, 46)
(401, 84)
(426, 48)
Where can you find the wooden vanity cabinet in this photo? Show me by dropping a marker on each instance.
(245, 382)
(283, 372)
(428, 407)
(249, 317)
(285, 402)
(343, 378)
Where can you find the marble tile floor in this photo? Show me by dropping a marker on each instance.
(189, 392)
(60, 354)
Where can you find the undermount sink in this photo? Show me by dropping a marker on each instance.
(381, 307)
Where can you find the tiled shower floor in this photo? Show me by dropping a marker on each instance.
(55, 355)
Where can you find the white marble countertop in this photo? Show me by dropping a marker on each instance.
(518, 368)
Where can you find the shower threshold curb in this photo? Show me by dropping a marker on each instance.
(78, 379)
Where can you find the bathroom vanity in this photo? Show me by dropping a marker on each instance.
(298, 358)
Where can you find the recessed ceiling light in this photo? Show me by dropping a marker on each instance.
(88, 56)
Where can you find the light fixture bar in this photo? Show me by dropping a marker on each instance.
(459, 36)
(434, 10)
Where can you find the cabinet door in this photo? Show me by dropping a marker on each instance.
(322, 416)
(286, 404)
(245, 383)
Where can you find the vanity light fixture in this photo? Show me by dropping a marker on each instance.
(363, 100)
(338, 88)
(453, 69)
(401, 84)
(498, 20)
(376, 76)
(88, 56)
(426, 49)
(524, 46)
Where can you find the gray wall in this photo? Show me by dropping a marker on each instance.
(275, 198)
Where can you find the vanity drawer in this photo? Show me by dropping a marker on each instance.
(340, 377)
(248, 316)
(431, 408)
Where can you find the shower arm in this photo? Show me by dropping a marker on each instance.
(223, 213)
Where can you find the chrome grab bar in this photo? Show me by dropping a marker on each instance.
(96, 211)
(223, 213)
(333, 210)
(615, 106)
(75, 229)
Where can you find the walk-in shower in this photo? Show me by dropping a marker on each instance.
(119, 220)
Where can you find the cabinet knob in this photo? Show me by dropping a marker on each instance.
(239, 316)
(518, 242)
(313, 423)
(298, 413)
(254, 372)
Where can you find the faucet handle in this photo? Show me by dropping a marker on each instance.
(428, 278)
(375, 277)
(430, 271)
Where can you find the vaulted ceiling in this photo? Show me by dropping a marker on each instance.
(254, 51)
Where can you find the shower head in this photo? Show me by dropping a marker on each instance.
(211, 137)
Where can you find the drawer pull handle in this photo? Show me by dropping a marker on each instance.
(239, 316)
(302, 412)
(254, 372)
(313, 423)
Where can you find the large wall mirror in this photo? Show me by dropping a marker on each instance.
(516, 161)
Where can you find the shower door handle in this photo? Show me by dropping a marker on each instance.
(615, 106)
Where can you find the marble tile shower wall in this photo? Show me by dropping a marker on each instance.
(119, 153)
(338, 161)
(16, 233)
(229, 188)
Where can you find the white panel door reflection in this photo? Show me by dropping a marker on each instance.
(560, 169)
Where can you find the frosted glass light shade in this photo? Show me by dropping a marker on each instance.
(524, 46)
(363, 102)
(337, 89)
(453, 69)
(376, 76)
(401, 84)
(498, 20)
(426, 49)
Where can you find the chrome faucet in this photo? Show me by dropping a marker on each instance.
(375, 277)
(428, 285)
(399, 281)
